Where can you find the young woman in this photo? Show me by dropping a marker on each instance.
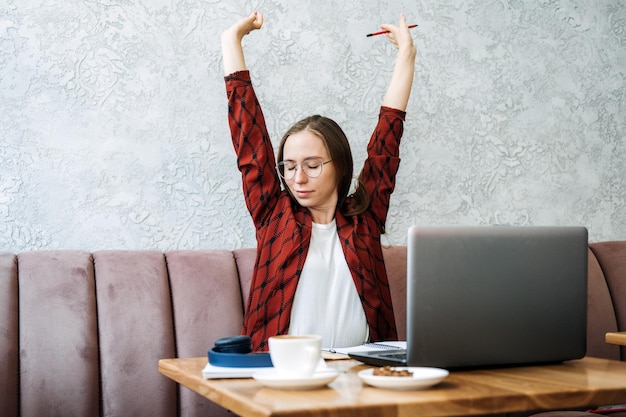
(319, 266)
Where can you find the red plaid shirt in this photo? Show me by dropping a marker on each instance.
(283, 228)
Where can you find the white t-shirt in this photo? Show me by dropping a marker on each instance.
(326, 301)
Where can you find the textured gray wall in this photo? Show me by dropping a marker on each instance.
(113, 115)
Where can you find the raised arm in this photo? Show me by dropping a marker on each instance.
(232, 51)
(255, 155)
(399, 90)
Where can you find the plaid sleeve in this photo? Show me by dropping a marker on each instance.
(383, 160)
(255, 155)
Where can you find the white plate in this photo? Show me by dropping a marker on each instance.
(421, 378)
(274, 380)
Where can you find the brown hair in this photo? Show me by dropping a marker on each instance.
(338, 147)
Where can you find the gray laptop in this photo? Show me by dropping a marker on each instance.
(488, 296)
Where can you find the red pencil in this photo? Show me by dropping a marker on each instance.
(382, 32)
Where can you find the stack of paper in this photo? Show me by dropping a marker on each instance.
(342, 353)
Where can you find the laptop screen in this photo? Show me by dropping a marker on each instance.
(495, 295)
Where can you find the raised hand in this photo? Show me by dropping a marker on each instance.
(232, 51)
(399, 90)
(399, 35)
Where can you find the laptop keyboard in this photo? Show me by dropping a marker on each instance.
(400, 356)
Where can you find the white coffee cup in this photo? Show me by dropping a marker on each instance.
(295, 356)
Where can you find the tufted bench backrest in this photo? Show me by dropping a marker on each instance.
(82, 333)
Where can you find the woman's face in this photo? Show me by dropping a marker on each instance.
(318, 194)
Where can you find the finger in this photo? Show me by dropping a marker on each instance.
(259, 20)
(402, 21)
(390, 28)
(253, 22)
(390, 36)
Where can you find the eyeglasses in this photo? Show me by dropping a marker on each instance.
(312, 168)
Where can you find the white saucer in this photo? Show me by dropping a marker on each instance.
(421, 378)
(273, 380)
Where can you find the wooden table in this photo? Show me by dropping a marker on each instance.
(617, 338)
(582, 383)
